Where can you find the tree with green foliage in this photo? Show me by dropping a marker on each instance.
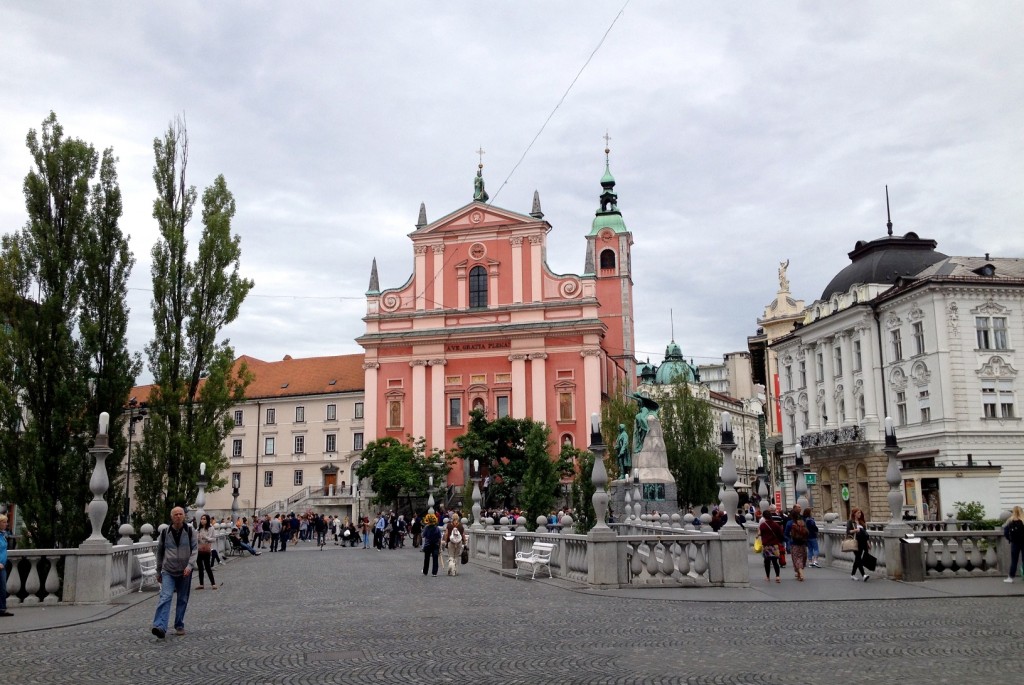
(690, 442)
(584, 516)
(63, 348)
(542, 479)
(195, 378)
(395, 469)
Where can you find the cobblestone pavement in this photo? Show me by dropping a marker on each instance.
(363, 616)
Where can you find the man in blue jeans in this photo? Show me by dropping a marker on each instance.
(3, 566)
(176, 552)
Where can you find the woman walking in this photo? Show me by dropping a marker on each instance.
(454, 539)
(207, 539)
(1014, 532)
(798, 547)
(431, 542)
(812, 537)
(859, 528)
(771, 544)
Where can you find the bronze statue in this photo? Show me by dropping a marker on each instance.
(479, 194)
(622, 451)
(645, 407)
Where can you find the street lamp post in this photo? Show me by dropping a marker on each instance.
(201, 497)
(235, 483)
(800, 484)
(99, 482)
(730, 498)
(476, 495)
(133, 418)
(430, 495)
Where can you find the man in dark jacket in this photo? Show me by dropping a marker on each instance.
(176, 552)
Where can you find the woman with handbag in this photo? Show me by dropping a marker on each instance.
(207, 538)
(771, 543)
(859, 527)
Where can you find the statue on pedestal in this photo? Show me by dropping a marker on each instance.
(645, 407)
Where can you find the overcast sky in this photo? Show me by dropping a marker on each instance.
(742, 135)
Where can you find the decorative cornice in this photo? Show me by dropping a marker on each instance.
(995, 367)
(370, 365)
(590, 353)
(539, 355)
(418, 362)
(536, 239)
(438, 249)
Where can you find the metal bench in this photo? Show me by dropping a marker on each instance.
(538, 557)
(147, 565)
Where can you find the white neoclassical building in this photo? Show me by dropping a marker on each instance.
(908, 332)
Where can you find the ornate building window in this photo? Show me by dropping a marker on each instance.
(477, 287)
(300, 444)
(997, 398)
(271, 416)
(857, 363)
(901, 408)
(502, 406)
(919, 338)
(803, 373)
(454, 411)
(789, 377)
(268, 446)
(991, 332)
(297, 478)
(238, 417)
(924, 404)
(357, 441)
(357, 410)
(300, 414)
(897, 344)
(332, 443)
(236, 448)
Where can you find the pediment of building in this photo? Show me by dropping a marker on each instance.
(477, 216)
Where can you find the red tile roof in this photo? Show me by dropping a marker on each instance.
(291, 377)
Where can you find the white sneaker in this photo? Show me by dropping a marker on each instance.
(853, 577)
(1007, 580)
(866, 576)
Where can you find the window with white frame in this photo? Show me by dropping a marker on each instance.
(789, 376)
(897, 344)
(861, 408)
(924, 404)
(271, 416)
(803, 373)
(997, 398)
(236, 447)
(332, 443)
(268, 479)
(268, 446)
(300, 414)
(918, 338)
(991, 332)
(357, 441)
(901, 408)
(477, 287)
(238, 417)
(300, 444)
(821, 366)
(806, 417)
(357, 410)
(838, 354)
(332, 412)
(502, 405)
(454, 411)
(857, 363)
(297, 478)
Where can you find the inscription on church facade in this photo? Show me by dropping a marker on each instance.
(470, 347)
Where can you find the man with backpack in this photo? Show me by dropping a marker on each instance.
(176, 554)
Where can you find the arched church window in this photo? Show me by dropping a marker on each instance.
(477, 287)
(608, 259)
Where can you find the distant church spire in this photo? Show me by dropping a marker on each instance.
(609, 200)
(535, 212)
(888, 215)
(374, 281)
(422, 221)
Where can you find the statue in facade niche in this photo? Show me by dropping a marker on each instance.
(645, 407)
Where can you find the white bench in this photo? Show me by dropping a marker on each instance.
(147, 565)
(539, 556)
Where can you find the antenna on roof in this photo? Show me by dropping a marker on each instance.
(887, 214)
(672, 323)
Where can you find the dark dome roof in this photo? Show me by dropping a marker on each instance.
(883, 261)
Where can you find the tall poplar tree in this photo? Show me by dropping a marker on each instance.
(63, 357)
(195, 378)
(689, 430)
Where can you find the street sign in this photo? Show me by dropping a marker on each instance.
(812, 478)
(845, 492)
(778, 498)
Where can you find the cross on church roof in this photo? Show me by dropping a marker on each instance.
(481, 152)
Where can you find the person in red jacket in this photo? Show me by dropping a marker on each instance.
(771, 543)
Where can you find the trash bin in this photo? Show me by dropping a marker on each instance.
(912, 559)
(508, 551)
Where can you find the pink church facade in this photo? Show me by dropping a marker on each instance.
(483, 322)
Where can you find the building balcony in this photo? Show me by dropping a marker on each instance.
(832, 436)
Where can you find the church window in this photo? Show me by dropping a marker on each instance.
(477, 287)
(454, 411)
(502, 402)
(608, 259)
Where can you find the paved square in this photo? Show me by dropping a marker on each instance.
(363, 616)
